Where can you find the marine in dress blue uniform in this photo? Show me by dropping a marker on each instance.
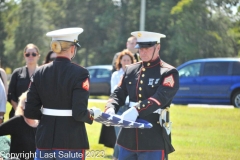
(151, 86)
(61, 89)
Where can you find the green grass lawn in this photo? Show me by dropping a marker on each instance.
(198, 134)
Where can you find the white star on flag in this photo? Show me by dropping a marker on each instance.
(111, 117)
(131, 124)
(141, 126)
(121, 121)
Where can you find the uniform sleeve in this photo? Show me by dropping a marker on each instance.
(33, 103)
(80, 99)
(166, 91)
(12, 93)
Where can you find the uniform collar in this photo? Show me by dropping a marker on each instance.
(151, 63)
(62, 59)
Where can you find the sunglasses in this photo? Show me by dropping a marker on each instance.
(33, 54)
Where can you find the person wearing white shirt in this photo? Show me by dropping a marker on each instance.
(115, 79)
(3, 101)
(124, 58)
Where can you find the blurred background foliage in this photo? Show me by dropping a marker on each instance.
(194, 28)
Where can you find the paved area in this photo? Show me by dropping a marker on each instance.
(211, 106)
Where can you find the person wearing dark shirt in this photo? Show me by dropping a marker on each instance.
(22, 135)
(61, 89)
(20, 78)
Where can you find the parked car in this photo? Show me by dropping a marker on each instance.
(209, 81)
(100, 78)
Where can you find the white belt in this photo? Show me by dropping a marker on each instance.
(159, 111)
(56, 112)
(132, 104)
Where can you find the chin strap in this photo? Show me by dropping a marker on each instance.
(77, 45)
(75, 52)
(152, 54)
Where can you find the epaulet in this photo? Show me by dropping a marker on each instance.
(166, 65)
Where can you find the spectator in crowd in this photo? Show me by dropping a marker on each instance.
(130, 45)
(20, 78)
(51, 56)
(124, 58)
(3, 101)
(61, 88)
(22, 135)
(4, 140)
(3, 77)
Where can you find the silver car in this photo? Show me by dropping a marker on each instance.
(100, 77)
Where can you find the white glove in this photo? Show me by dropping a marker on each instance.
(131, 114)
(96, 112)
(110, 110)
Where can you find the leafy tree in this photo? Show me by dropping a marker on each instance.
(2, 34)
(199, 32)
(32, 28)
(194, 29)
(10, 20)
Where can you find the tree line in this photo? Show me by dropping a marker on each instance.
(194, 28)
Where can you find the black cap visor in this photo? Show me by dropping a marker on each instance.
(145, 44)
(76, 42)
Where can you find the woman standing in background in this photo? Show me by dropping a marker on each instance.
(21, 76)
(125, 58)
